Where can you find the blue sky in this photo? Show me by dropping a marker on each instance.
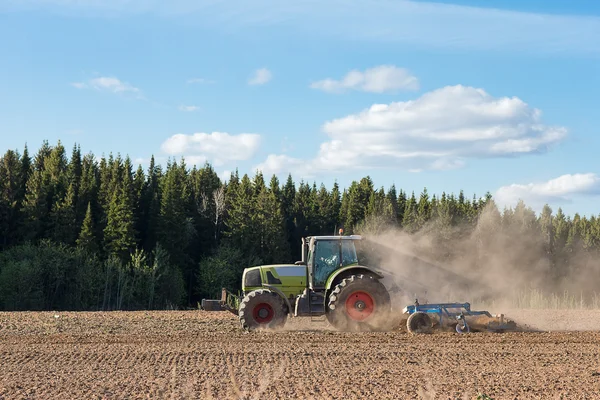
(450, 95)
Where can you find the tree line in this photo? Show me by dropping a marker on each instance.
(85, 233)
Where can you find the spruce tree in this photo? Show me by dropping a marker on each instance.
(288, 194)
(74, 172)
(423, 209)
(87, 240)
(119, 233)
(401, 206)
(410, 221)
(36, 206)
(175, 227)
(88, 188)
(242, 204)
(150, 207)
(270, 228)
(63, 218)
(26, 170)
(303, 211)
(392, 201)
(10, 197)
(336, 205)
(325, 212)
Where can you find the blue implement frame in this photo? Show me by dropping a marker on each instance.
(442, 309)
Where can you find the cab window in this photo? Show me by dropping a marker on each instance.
(326, 260)
(348, 253)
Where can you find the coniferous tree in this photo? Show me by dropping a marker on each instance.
(26, 169)
(423, 209)
(239, 219)
(88, 188)
(336, 205)
(74, 173)
(87, 240)
(37, 201)
(302, 212)
(63, 218)
(269, 224)
(119, 233)
(150, 201)
(401, 206)
(325, 213)
(11, 197)
(175, 228)
(410, 221)
(392, 200)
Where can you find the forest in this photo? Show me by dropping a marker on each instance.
(80, 232)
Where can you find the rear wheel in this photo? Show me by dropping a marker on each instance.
(262, 309)
(359, 303)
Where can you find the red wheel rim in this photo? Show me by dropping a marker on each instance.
(360, 305)
(263, 313)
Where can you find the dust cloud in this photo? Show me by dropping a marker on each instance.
(490, 264)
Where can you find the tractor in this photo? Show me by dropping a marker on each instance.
(329, 281)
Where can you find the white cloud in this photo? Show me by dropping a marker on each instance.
(260, 77)
(440, 130)
(108, 84)
(200, 81)
(428, 24)
(558, 190)
(188, 108)
(112, 84)
(380, 79)
(197, 160)
(225, 175)
(283, 164)
(220, 147)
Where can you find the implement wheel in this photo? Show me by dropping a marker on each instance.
(419, 322)
(358, 303)
(262, 309)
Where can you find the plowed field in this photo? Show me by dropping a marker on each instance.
(202, 355)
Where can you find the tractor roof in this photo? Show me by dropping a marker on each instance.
(349, 237)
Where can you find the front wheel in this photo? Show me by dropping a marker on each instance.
(262, 309)
(359, 303)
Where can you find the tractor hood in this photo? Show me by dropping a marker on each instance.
(284, 275)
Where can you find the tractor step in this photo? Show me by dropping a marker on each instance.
(317, 303)
(310, 304)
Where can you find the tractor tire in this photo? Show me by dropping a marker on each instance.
(419, 322)
(262, 309)
(359, 303)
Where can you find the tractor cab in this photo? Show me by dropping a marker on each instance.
(325, 254)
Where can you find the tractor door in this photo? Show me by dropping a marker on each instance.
(326, 259)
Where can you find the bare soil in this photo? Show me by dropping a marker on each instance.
(203, 355)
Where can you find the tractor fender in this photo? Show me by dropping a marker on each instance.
(351, 270)
(280, 293)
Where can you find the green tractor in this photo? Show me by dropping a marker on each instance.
(328, 281)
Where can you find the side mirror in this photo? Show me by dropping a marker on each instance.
(300, 263)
